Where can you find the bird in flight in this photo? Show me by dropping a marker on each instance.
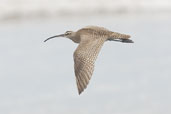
(90, 40)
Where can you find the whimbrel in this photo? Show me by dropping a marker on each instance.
(90, 39)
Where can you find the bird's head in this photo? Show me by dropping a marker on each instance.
(67, 34)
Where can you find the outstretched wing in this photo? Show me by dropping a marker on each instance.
(84, 59)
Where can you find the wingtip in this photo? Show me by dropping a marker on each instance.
(79, 92)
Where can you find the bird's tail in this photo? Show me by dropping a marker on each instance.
(116, 35)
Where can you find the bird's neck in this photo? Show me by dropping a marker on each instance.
(75, 38)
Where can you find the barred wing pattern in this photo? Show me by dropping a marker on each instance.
(84, 59)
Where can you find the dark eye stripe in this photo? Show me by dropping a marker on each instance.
(68, 32)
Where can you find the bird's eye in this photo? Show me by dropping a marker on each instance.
(68, 32)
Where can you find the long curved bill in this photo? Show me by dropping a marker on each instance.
(61, 35)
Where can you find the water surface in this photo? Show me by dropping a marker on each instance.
(38, 77)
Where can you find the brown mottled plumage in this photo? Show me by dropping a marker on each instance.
(90, 39)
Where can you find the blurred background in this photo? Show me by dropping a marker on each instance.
(38, 77)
